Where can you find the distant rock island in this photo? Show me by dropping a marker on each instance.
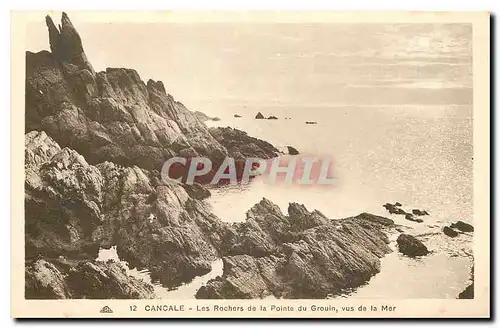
(259, 116)
(292, 150)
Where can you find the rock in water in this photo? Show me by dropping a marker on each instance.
(292, 151)
(240, 145)
(394, 208)
(237, 116)
(450, 232)
(462, 226)
(419, 212)
(272, 117)
(467, 293)
(301, 255)
(411, 246)
(259, 116)
(411, 217)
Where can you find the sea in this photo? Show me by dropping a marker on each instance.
(419, 156)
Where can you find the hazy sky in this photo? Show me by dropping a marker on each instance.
(218, 64)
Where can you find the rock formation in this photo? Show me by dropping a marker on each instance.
(292, 151)
(237, 115)
(240, 145)
(60, 279)
(111, 115)
(419, 212)
(462, 226)
(468, 292)
(301, 255)
(94, 146)
(74, 208)
(411, 217)
(394, 208)
(272, 117)
(411, 246)
(450, 232)
(259, 116)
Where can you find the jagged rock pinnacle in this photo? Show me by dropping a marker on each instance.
(66, 44)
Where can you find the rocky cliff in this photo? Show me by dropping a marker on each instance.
(74, 208)
(300, 255)
(94, 146)
(95, 143)
(108, 116)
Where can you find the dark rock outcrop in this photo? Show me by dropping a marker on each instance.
(468, 292)
(108, 116)
(272, 117)
(419, 212)
(259, 116)
(95, 144)
(301, 255)
(394, 208)
(237, 116)
(450, 232)
(411, 217)
(60, 279)
(462, 226)
(292, 151)
(74, 208)
(311, 122)
(66, 44)
(411, 246)
(197, 191)
(240, 145)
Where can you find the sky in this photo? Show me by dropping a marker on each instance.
(209, 65)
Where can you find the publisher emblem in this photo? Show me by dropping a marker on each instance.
(106, 309)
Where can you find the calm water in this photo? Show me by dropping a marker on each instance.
(421, 157)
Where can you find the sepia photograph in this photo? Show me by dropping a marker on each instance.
(183, 162)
